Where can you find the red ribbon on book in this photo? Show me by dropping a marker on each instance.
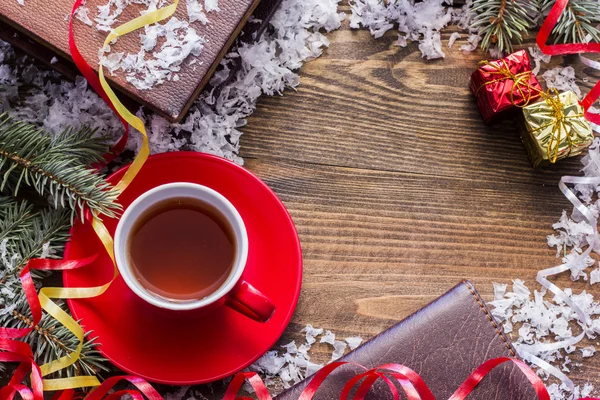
(412, 384)
(92, 78)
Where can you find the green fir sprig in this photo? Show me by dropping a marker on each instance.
(55, 166)
(578, 20)
(502, 22)
(50, 340)
(24, 234)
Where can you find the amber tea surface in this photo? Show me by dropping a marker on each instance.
(181, 249)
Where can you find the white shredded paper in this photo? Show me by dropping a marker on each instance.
(153, 64)
(289, 365)
(534, 317)
(212, 125)
(415, 21)
(268, 67)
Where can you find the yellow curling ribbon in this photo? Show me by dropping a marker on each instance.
(46, 294)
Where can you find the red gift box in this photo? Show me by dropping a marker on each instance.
(503, 84)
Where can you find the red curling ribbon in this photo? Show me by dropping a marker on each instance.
(64, 395)
(142, 386)
(89, 74)
(412, 384)
(135, 395)
(22, 370)
(12, 350)
(375, 374)
(403, 374)
(365, 386)
(392, 387)
(257, 384)
(481, 372)
(571, 48)
(320, 376)
(406, 385)
(370, 375)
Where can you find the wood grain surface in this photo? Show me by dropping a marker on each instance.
(397, 188)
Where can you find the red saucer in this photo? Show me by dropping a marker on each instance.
(190, 347)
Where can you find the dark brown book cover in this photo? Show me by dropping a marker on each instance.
(42, 27)
(443, 342)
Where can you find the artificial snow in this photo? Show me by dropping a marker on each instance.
(420, 21)
(291, 363)
(339, 348)
(328, 337)
(472, 43)
(195, 12)
(212, 125)
(354, 341)
(543, 320)
(588, 351)
(538, 58)
(211, 5)
(595, 276)
(107, 14)
(312, 333)
(82, 14)
(453, 37)
(151, 66)
(535, 317)
(562, 79)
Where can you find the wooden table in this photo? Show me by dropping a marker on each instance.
(397, 189)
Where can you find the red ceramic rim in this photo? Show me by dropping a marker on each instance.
(296, 293)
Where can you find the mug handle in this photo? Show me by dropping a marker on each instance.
(247, 300)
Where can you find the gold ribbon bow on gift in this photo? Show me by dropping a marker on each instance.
(558, 123)
(520, 81)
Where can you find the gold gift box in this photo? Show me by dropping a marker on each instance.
(555, 128)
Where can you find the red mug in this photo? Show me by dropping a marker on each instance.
(235, 292)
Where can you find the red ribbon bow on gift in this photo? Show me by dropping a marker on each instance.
(573, 48)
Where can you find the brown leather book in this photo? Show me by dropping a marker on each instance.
(40, 28)
(443, 342)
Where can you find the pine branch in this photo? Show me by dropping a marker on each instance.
(24, 234)
(502, 22)
(55, 166)
(83, 145)
(27, 234)
(50, 340)
(577, 21)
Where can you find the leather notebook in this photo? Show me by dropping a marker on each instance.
(443, 342)
(40, 28)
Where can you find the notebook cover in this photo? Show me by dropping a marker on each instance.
(443, 342)
(45, 23)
